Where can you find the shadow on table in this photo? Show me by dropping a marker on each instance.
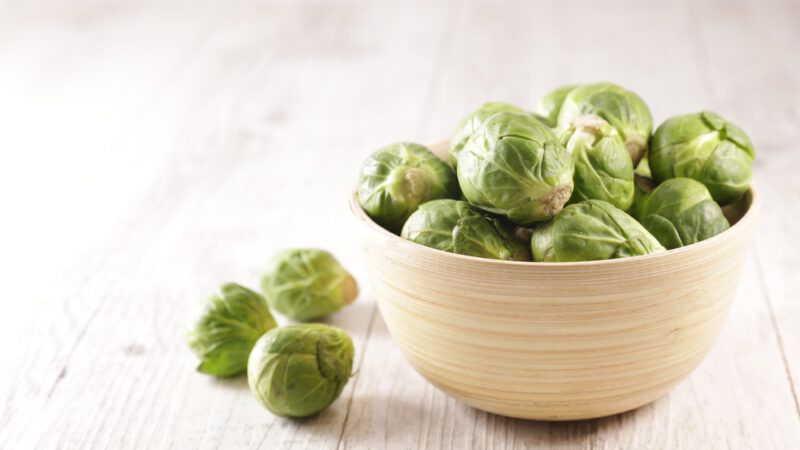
(379, 418)
(569, 431)
(543, 432)
(237, 382)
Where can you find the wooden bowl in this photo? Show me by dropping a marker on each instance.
(555, 341)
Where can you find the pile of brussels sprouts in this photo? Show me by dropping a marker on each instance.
(581, 179)
(295, 370)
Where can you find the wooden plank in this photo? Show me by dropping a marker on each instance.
(225, 137)
(171, 137)
(744, 75)
(733, 399)
(61, 123)
(720, 402)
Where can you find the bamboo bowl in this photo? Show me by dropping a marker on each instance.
(555, 341)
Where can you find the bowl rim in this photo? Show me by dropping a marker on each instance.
(744, 221)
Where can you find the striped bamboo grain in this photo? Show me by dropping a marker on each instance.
(554, 341)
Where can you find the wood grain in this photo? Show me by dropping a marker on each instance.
(152, 150)
(776, 256)
(554, 341)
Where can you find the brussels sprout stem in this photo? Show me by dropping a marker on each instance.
(349, 289)
(416, 184)
(590, 124)
(636, 146)
(555, 200)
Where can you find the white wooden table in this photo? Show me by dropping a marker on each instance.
(152, 150)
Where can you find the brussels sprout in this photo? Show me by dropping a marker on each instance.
(643, 169)
(542, 242)
(707, 148)
(457, 227)
(591, 230)
(550, 105)
(680, 211)
(231, 322)
(298, 370)
(603, 167)
(522, 233)
(472, 122)
(623, 109)
(515, 166)
(398, 178)
(306, 284)
(641, 187)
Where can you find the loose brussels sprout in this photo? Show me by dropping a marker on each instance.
(514, 166)
(603, 167)
(680, 211)
(398, 178)
(298, 370)
(550, 105)
(707, 148)
(591, 230)
(457, 227)
(472, 122)
(306, 284)
(623, 109)
(229, 326)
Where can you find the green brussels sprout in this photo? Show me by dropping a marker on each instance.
(707, 148)
(227, 329)
(680, 211)
(589, 231)
(306, 284)
(623, 109)
(398, 178)
(472, 122)
(643, 169)
(542, 242)
(522, 233)
(299, 370)
(550, 105)
(457, 227)
(642, 186)
(515, 166)
(603, 167)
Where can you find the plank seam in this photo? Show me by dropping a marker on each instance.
(444, 49)
(787, 369)
(358, 371)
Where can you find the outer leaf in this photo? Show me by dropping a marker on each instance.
(642, 187)
(228, 327)
(455, 226)
(542, 243)
(663, 230)
(470, 124)
(550, 105)
(595, 230)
